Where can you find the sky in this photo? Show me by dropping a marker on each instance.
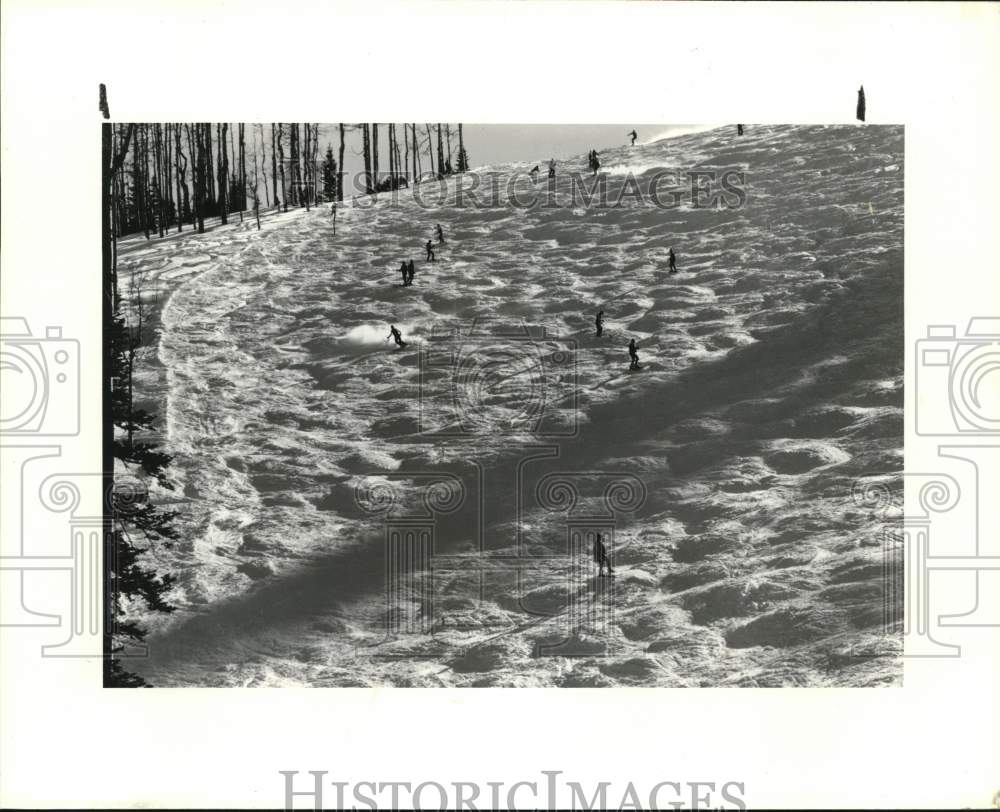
(491, 144)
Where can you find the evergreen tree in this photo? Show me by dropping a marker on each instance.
(329, 175)
(136, 524)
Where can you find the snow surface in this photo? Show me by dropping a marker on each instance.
(771, 383)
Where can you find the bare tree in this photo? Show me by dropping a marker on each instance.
(221, 131)
(274, 168)
(281, 165)
(366, 149)
(430, 154)
(340, 169)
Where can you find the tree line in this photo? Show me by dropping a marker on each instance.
(174, 176)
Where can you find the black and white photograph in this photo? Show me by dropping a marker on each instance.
(552, 404)
(447, 405)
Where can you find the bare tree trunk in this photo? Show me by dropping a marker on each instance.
(406, 152)
(281, 167)
(274, 168)
(224, 202)
(392, 160)
(441, 166)
(430, 153)
(201, 170)
(416, 153)
(367, 150)
(293, 162)
(243, 171)
(447, 132)
(157, 149)
(209, 167)
(340, 167)
(375, 154)
(137, 193)
(181, 180)
(263, 163)
(395, 149)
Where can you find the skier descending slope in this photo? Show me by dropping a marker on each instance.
(599, 322)
(430, 251)
(411, 270)
(634, 355)
(405, 271)
(396, 336)
(439, 233)
(673, 261)
(595, 163)
(633, 135)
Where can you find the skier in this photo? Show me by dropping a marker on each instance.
(633, 354)
(634, 135)
(861, 103)
(673, 261)
(439, 234)
(533, 174)
(601, 557)
(430, 251)
(403, 269)
(595, 163)
(599, 322)
(552, 167)
(412, 271)
(739, 129)
(396, 336)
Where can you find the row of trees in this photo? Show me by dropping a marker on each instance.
(406, 163)
(175, 175)
(133, 525)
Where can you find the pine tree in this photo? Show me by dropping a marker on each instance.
(329, 175)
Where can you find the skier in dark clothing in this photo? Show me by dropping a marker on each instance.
(595, 164)
(633, 354)
(739, 129)
(405, 271)
(396, 336)
(439, 233)
(411, 270)
(552, 167)
(861, 103)
(599, 322)
(430, 251)
(673, 261)
(601, 557)
(533, 174)
(634, 135)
